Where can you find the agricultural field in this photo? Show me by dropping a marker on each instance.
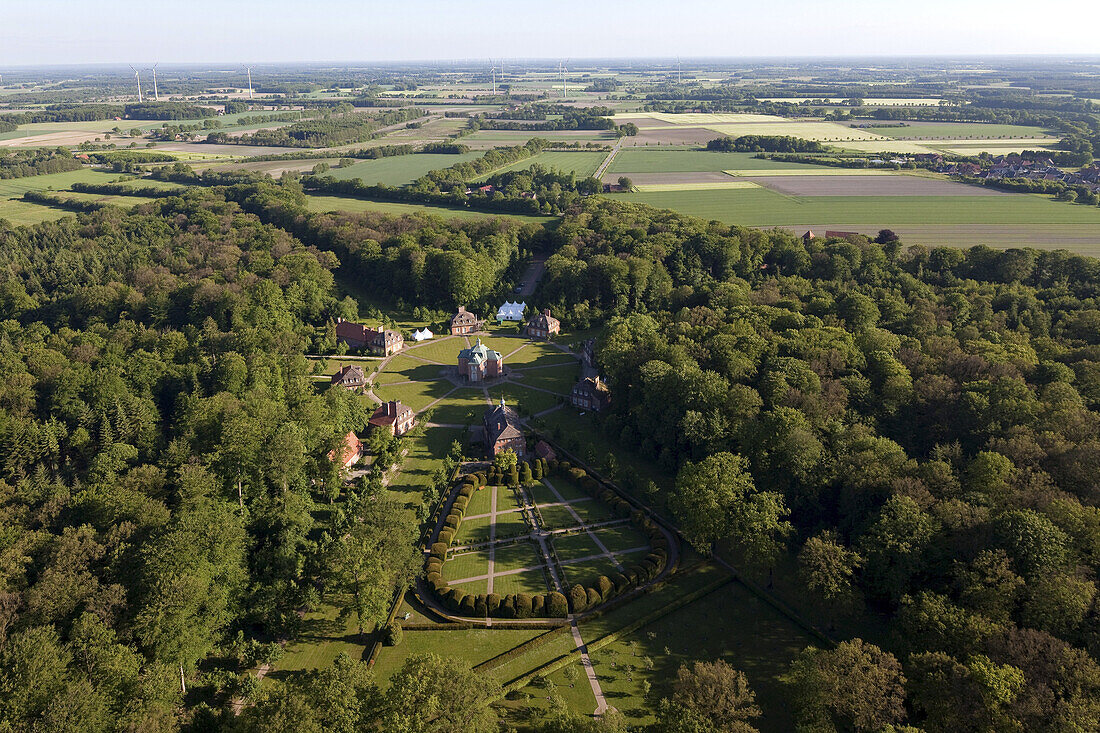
(632, 161)
(398, 169)
(1006, 220)
(582, 164)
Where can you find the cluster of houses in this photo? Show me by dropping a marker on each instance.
(1034, 169)
(502, 426)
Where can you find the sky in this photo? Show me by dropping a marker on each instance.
(38, 32)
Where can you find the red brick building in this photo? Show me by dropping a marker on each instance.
(590, 394)
(503, 432)
(381, 342)
(464, 322)
(393, 416)
(543, 325)
(350, 377)
(479, 362)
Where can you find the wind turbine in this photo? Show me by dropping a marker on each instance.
(137, 77)
(249, 70)
(156, 94)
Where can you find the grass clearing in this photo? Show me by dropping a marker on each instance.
(424, 459)
(526, 401)
(353, 205)
(324, 637)
(417, 395)
(472, 646)
(559, 379)
(464, 406)
(398, 169)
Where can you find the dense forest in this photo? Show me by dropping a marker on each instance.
(23, 163)
(919, 427)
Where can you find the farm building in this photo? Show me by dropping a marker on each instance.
(382, 342)
(464, 322)
(479, 362)
(590, 394)
(503, 432)
(543, 325)
(393, 416)
(349, 452)
(423, 335)
(511, 311)
(350, 377)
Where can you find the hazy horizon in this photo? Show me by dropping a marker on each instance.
(204, 32)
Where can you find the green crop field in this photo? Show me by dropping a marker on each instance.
(398, 169)
(646, 160)
(344, 203)
(1010, 220)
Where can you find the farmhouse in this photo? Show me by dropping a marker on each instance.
(503, 432)
(350, 377)
(393, 416)
(590, 394)
(464, 322)
(479, 362)
(349, 453)
(379, 341)
(543, 325)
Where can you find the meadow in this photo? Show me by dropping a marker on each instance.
(582, 164)
(342, 203)
(398, 169)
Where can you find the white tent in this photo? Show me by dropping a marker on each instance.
(422, 335)
(511, 311)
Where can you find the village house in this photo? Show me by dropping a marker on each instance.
(393, 416)
(503, 432)
(350, 377)
(543, 325)
(381, 342)
(464, 322)
(350, 451)
(479, 362)
(590, 394)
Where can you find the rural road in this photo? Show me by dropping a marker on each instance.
(532, 275)
(598, 175)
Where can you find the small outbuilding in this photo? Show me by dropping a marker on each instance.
(423, 335)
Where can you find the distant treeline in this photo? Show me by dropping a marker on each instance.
(23, 163)
(592, 118)
(120, 189)
(320, 133)
(95, 112)
(765, 144)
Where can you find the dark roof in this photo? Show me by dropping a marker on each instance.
(388, 413)
(350, 372)
(501, 421)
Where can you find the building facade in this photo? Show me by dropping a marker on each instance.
(393, 416)
(349, 452)
(503, 431)
(543, 325)
(590, 394)
(381, 342)
(479, 363)
(350, 377)
(464, 322)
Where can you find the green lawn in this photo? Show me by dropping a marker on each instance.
(504, 344)
(531, 581)
(572, 546)
(592, 511)
(566, 489)
(402, 368)
(541, 494)
(522, 554)
(540, 354)
(587, 572)
(443, 350)
(559, 379)
(344, 203)
(467, 565)
(462, 407)
(621, 537)
(335, 364)
(417, 395)
(323, 639)
(472, 646)
(511, 524)
(398, 169)
(472, 531)
(557, 517)
(425, 458)
(526, 401)
(647, 160)
(481, 501)
(730, 624)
